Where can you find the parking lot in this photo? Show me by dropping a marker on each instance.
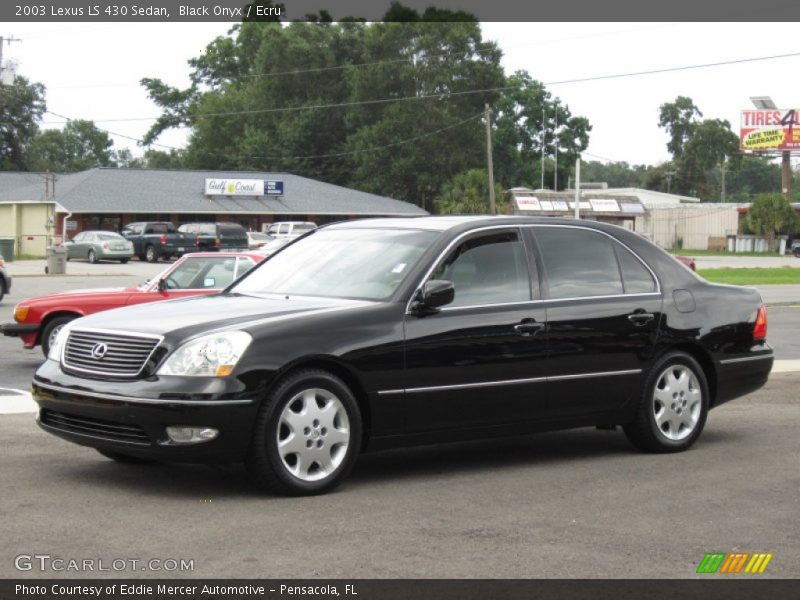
(572, 504)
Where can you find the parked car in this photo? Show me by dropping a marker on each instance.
(38, 320)
(289, 229)
(217, 236)
(95, 246)
(381, 333)
(5, 278)
(796, 248)
(272, 246)
(154, 240)
(687, 261)
(257, 239)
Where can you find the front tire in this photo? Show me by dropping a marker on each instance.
(673, 407)
(51, 330)
(307, 435)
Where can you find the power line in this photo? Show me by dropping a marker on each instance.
(443, 95)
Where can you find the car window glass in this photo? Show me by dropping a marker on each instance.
(284, 228)
(107, 236)
(185, 273)
(578, 262)
(219, 275)
(636, 279)
(78, 238)
(273, 230)
(488, 269)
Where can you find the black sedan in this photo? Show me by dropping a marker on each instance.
(375, 334)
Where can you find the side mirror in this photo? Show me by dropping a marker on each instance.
(162, 285)
(434, 294)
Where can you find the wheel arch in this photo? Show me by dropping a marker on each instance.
(702, 356)
(343, 372)
(54, 315)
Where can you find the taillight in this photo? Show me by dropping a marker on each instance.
(760, 328)
(217, 243)
(163, 239)
(197, 241)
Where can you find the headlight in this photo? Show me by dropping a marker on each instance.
(212, 355)
(58, 344)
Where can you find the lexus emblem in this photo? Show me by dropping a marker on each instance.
(99, 350)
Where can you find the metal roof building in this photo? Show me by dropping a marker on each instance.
(108, 199)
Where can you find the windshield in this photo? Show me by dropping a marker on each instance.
(341, 263)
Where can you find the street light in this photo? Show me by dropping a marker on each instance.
(762, 102)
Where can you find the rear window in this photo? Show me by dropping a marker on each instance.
(108, 236)
(303, 227)
(160, 228)
(231, 229)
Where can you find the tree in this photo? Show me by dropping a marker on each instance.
(771, 214)
(679, 119)
(615, 174)
(468, 194)
(79, 146)
(21, 106)
(526, 117)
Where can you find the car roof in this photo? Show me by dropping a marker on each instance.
(225, 253)
(461, 222)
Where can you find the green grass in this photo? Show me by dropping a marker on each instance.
(718, 253)
(780, 275)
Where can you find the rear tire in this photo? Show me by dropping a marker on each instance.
(125, 458)
(92, 257)
(123, 261)
(307, 435)
(150, 254)
(673, 407)
(2, 288)
(51, 330)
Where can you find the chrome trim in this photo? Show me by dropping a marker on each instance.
(729, 361)
(518, 226)
(63, 362)
(461, 386)
(600, 374)
(134, 400)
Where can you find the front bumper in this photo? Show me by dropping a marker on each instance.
(18, 329)
(131, 417)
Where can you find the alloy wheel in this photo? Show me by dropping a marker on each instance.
(677, 402)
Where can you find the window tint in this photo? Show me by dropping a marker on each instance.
(245, 264)
(487, 269)
(635, 276)
(79, 237)
(578, 262)
(110, 236)
(231, 229)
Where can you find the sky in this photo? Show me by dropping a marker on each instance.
(92, 71)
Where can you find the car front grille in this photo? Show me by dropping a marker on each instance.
(96, 428)
(107, 353)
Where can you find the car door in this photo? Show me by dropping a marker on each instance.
(74, 245)
(481, 360)
(603, 308)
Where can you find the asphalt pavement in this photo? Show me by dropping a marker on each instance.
(571, 504)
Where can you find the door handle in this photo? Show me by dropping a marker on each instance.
(640, 318)
(528, 327)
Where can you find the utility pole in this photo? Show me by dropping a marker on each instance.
(786, 174)
(555, 153)
(669, 175)
(544, 139)
(723, 169)
(7, 41)
(577, 188)
(489, 164)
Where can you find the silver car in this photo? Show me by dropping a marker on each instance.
(95, 246)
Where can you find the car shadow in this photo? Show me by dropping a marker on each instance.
(179, 480)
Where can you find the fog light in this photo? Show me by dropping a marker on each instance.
(191, 435)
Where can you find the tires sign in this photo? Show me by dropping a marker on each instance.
(770, 130)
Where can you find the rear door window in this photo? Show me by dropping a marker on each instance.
(578, 262)
(636, 278)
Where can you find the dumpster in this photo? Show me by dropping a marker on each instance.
(56, 260)
(7, 248)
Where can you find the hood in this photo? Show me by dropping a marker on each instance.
(110, 290)
(209, 313)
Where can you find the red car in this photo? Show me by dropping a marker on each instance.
(39, 319)
(687, 261)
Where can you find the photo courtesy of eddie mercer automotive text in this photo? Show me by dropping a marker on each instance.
(374, 334)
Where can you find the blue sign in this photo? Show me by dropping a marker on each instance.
(273, 188)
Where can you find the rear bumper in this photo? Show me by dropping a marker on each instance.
(741, 375)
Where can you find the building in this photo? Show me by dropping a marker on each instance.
(108, 199)
(620, 210)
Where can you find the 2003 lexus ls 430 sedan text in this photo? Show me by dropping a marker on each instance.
(370, 335)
